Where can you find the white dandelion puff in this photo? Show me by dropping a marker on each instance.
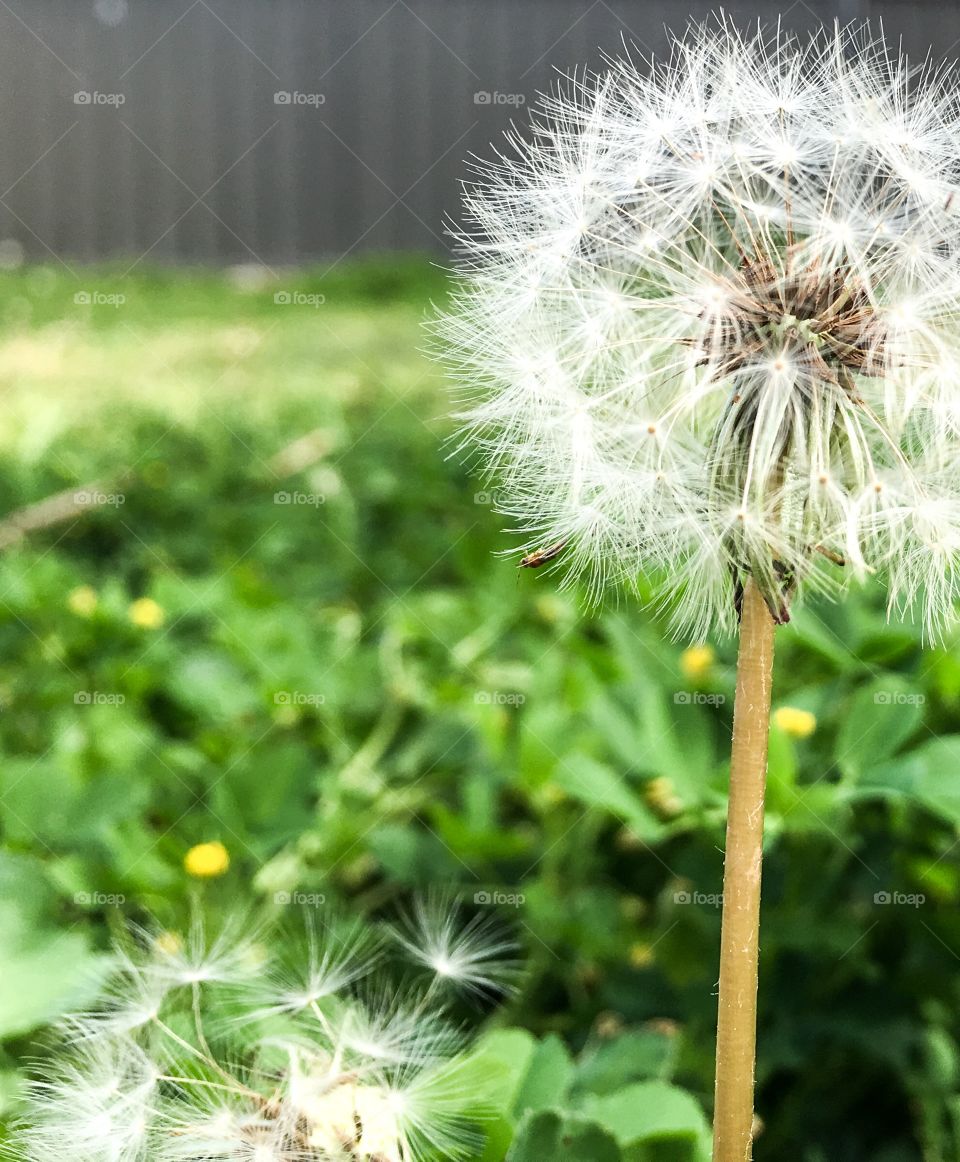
(277, 1062)
(708, 323)
(234, 1127)
(98, 1101)
(416, 1114)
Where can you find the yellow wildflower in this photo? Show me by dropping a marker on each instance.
(146, 613)
(206, 860)
(795, 722)
(696, 661)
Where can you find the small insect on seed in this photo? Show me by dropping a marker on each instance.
(540, 557)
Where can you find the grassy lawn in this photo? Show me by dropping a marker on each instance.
(280, 625)
(204, 345)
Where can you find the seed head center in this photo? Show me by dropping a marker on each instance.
(820, 315)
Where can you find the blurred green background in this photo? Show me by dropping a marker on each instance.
(256, 643)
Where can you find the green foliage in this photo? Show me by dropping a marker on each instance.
(547, 1100)
(358, 698)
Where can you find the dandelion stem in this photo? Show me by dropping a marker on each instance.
(739, 939)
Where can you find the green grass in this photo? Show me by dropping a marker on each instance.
(198, 345)
(359, 698)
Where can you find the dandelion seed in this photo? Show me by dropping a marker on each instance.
(232, 956)
(471, 954)
(333, 960)
(96, 1103)
(389, 1029)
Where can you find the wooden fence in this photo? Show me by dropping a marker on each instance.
(283, 131)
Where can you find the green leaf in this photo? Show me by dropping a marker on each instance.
(553, 1137)
(927, 775)
(810, 630)
(648, 1110)
(659, 734)
(498, 1066)
(634, 1055)
(497, 1134)
(598, 785)
(53, 803)
(879, 719)
(44, 975)
(548, 1078)
(211, 687)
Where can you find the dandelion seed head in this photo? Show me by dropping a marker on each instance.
(701, 286)
(300, 1050)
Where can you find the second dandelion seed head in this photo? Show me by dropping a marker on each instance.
(212, 1046)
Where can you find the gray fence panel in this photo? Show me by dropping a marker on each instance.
(200, 162)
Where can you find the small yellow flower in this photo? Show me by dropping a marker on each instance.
(641, 955)
(795, 722)
(82, 601)
(205, 861)
(696, 661)
(146, 613)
